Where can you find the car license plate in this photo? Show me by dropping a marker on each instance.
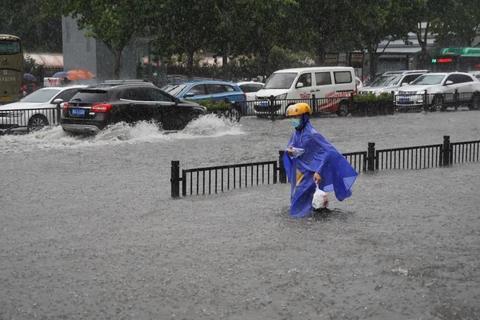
(403, 100)
(77, 112)
(263, 104)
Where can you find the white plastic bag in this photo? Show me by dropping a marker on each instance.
(320, 199)
(296, 152)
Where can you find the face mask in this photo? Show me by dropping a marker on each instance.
(295, 122)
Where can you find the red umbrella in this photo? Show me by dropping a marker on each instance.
(79, 74)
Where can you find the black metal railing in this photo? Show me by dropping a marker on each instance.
(273, 107)
(424, 101)
(462, 152)
(419, 157)
(344, 103)
(28, 119)
(211, 180)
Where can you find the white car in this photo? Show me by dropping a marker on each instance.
(36, 110)
(391, 81)
(439, 90)
(250, 88)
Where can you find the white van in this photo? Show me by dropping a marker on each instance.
(332, 86)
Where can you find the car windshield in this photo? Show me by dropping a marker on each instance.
(40, 96)
(174, 90)
(429, 79)
(280, 81)
(385, 81)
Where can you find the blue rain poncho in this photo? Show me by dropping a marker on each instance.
(320, 156)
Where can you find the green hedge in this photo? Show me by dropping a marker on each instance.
(215, 106)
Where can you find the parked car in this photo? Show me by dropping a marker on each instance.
(250, 88)
(476, 74)
(391, 81)
(331, 85)
(96, 107)
(198, 90)
(440, 90)
(35, 110)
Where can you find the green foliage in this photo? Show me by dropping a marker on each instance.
(371, 98)
(33, 26)
(215, 106)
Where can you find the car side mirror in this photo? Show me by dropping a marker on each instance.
(299, 85)
(449, 82)
(57, 101)
(189, 95)
(405, 84)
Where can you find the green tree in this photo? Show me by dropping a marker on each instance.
(375, 21)
(38, 31)
(325, 26)
(183, 27)
(265, 25)
(458, 22)
(114, 22)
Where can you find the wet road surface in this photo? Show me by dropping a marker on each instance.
(88, 230)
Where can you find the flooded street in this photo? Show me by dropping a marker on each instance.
(89, 231)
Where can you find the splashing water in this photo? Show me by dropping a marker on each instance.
(207, 126)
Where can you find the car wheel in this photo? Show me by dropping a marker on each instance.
(437, 104)
(233, 114)
(343, 109)
(475, 104)
(37, 122)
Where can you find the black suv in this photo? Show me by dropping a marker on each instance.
(95, 107)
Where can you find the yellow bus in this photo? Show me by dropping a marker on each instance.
(11, 68)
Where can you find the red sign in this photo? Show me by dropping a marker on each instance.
(444, 60)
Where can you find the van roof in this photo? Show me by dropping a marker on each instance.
(337, 68)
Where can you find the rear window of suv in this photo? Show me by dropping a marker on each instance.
(90, 96)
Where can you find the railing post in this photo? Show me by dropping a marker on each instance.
(350, 102)
(313, 103)
(392, 107)
(272, 107)
(425, 101)
(455, 99)
(281, 167)
(184, 183)
(175, 179)
(371, 156)
(446, 151)
(58, 113)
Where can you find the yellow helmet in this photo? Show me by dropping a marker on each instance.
(298, 109)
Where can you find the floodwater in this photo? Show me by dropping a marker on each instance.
(89, 231)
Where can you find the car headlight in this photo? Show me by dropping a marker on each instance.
(421, 92)
(281, 97)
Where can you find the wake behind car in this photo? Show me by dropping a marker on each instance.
(440, 90)
(95, 107)
(36, 110)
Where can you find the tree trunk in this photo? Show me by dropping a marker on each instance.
(117, 63)
(190, 63)
(372, 54)
(225, 68)
(320, 57)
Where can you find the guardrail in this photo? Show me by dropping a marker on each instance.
(344, 103)
(216, 179)
(28, 119)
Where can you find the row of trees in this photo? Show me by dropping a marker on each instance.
(233, 28)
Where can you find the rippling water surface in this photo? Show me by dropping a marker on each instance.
(88, 229)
